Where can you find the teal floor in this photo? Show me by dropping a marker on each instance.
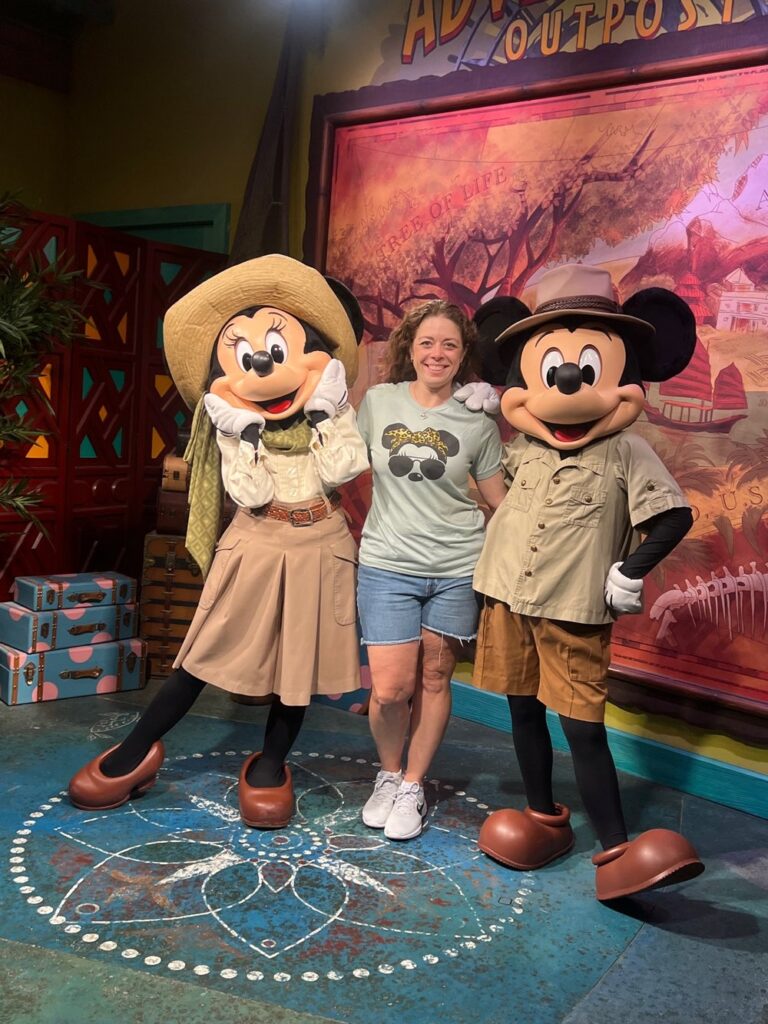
(169, 910)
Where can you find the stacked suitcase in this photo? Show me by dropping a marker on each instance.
(171, 580)
(170, 589)
(70, 635)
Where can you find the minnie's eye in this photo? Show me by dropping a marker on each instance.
(244, 354)
(591, 365)
(549, 364)
(276, 346)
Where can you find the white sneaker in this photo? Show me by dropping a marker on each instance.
(407, 816)
(382, 800)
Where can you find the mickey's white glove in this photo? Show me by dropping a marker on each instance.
(478, 396)
(331, 395)
(228, 419)
(623, 595)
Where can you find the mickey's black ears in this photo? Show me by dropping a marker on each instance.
(671, 348)
(491, 319)
(350, 304)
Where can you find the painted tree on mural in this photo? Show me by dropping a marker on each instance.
(544, 190)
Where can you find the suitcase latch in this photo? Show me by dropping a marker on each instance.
(96, 627)
(81, 673)
(85, 596)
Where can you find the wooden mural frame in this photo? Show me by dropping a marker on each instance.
(633, 688)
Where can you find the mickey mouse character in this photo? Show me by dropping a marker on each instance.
(262, 352)
(556, 568)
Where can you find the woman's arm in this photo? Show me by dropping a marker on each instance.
(492, 490)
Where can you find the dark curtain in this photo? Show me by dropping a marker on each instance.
(263, 224)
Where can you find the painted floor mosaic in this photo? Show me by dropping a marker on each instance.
(330, 919)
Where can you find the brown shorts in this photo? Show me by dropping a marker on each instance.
(564, 664)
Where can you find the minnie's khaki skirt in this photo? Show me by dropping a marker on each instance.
(277, 613)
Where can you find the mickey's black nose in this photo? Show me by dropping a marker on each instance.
(262, 363)
(568, 378)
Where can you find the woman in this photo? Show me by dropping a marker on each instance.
(260, 352)
(419, 546)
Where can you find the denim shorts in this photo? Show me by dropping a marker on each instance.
(394, 608)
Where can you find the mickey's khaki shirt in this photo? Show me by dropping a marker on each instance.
(565, 521)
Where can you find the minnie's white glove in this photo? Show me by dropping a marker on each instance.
(228, 419)
(478, 396)
(623, 595)
(331, 395)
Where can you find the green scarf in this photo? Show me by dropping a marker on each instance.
(202, 454)
(292, 439)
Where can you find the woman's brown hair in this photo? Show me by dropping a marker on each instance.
(400, 341)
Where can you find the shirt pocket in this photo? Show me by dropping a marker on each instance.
(344, 571)
(218, 570)
(521, 491)
(586, 506)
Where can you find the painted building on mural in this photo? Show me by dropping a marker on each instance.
(742, 307)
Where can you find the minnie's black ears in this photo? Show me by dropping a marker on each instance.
(669, 351)
(491, 319)
(350, 304)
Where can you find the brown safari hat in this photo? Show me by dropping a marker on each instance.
(192, 324)
(578, 290)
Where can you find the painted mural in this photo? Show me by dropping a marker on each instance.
(436, 37)
(663, 184)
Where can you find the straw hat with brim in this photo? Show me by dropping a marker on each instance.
(657, 323)
(193, 323)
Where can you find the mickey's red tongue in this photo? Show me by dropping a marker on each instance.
(572, 432)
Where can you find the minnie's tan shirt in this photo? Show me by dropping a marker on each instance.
(253, 477)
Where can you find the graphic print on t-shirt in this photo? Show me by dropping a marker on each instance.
(418, 454)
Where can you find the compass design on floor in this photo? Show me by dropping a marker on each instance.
(176, 881)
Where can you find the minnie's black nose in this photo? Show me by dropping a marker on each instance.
(568, 378)
(262, 363)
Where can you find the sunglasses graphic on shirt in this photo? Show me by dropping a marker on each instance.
(401, 465)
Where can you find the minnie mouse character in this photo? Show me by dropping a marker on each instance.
(262, 352)
(556, 568)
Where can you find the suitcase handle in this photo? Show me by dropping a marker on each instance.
(81, 673)
(87, 595)
(95, 627)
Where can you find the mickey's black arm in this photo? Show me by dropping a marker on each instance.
(663, 533)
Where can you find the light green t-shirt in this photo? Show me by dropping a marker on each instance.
(422, 520)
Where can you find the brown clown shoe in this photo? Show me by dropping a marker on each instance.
(526, 839)
(653, 859)
(91, 790)
(262, 807)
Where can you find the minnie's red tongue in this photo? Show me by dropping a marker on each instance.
(572, 432)
(277, 407)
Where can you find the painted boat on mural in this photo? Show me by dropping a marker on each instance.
(690, 400)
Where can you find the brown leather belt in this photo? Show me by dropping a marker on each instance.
(305, 516)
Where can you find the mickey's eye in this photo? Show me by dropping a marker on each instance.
(591, 365)
(244, 354)
(276, 345)
(549, 364)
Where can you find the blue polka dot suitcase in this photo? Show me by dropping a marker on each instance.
(71, 672)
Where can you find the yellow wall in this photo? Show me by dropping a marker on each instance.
(166, 109)
(33, 154)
